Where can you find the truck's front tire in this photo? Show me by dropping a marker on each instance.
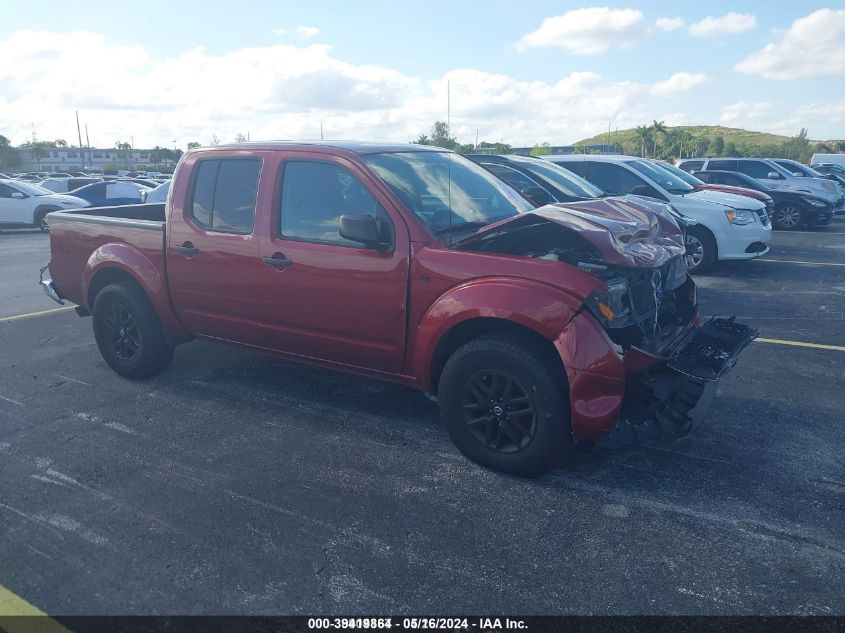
(505, 407)
(128, 332)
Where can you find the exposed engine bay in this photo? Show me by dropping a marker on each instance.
(650, 297)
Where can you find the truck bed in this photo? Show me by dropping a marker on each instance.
(77, 236)
(153, 212)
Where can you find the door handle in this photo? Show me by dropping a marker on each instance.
(187, 249)
(278, 260)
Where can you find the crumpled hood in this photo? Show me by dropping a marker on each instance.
(624, 231)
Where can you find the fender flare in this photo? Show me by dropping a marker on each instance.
(539, 307)
(134, 263)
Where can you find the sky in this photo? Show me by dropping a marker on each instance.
(521, 72)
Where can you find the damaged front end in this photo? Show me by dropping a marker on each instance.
(647, 307)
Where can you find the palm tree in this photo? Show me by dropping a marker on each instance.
(683, 138)
(642, 134)
(657, 127)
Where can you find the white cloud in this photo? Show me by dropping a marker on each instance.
(677, 84)
(728, 24)
(812, 46)
(284, 91)
(588, 31)
(743, 112)
(307, 31)
(669, 24)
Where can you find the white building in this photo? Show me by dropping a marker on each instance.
(58, 158)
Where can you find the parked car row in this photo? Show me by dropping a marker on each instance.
(801, 195)
(24, 202)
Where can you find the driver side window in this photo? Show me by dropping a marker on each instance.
(314, 196)
(6, 191)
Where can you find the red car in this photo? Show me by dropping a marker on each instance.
(535, 330)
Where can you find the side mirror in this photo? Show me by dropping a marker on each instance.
(773, 175)
(361, 227)
(17, 195)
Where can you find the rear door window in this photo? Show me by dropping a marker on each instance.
(224, 194)
(722, 165)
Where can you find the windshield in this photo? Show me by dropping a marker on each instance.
(32, 190)
(680, 173)
(666, 179)
(448, 192)
(556, 176)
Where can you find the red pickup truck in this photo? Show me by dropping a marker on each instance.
(535, 330)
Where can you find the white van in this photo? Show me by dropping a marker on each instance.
(728, 226)
(836, 159)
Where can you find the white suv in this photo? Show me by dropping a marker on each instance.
(25, 204)
(728, 226)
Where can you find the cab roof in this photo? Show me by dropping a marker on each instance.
(355, 147)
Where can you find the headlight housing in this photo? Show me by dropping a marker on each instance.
(610, 307)
(741, 217)
(814, 201)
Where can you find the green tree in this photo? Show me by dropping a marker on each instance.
(123, 151)
(840, 146)
(702, 145)
(440, 136)
(798, 147)
(730, 149)
(719, 146)
(642, 135)
(240, 138)
(543, 149)
(193, 145)
(423, 140)
(657, 128)
(9, 156)
(495, 148)
(157, 155)
(60, 142)
(38, 150)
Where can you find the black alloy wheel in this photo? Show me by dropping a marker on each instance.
(498, 411)
(122, 331)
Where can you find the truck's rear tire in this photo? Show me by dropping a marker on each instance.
(504, 406)
(128, 332)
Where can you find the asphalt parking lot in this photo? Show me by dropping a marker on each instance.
(234, 483)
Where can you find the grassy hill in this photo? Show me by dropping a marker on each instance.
(737, 136)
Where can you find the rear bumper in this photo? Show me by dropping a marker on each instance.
(50, 291)
(48, 287)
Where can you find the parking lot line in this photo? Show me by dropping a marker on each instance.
(775, 341)
(795, 261)
(35, 314)
(18, 614)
